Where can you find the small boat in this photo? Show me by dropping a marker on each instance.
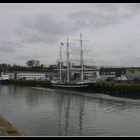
(4, 79)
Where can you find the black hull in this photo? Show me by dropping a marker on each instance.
(4, 82)
(89, 87)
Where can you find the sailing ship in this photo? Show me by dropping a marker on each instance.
(80, 85)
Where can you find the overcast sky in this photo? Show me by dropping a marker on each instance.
(34, 31)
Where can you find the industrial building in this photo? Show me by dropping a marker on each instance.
(110, 73)
(103, 73)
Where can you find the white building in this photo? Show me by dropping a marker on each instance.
(12, 76)
(30, 76)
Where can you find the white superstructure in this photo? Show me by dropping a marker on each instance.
(4, 77)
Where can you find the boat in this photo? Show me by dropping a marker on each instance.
(67, 83)
(4, 79)
(77, 86)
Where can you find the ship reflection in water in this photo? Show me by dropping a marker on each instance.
(47, 112)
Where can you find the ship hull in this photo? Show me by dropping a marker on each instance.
(4, 82)
(88, 87)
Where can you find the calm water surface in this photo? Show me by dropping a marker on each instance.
(47, 112)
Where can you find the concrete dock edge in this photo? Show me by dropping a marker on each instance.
(7, 129)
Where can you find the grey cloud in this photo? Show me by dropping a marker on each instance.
(130, 46)
(117, 52)
(7, 47)
(105, 62)
(43, 28)
(40, 28)
(120, 61)
(42, 24)
(21, 57)
(45, 24)
(37, 38)
(4, 35)
(131, 61)
(26, 57)
(116, 6)
(102, 15)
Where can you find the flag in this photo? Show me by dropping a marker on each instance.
(62, 43)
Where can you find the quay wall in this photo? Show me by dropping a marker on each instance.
(7, 129)
(33, 83)
(121, 88)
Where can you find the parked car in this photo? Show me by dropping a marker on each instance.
(120, 79)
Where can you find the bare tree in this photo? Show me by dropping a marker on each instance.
(33, 63)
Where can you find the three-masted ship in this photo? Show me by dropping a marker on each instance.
(78, 85)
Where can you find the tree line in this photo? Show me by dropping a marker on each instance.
(31, 65)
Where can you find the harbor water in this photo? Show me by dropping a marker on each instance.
(47, 112)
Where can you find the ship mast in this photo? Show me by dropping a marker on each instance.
(81, 58)
(68, 62)
(61, 61)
